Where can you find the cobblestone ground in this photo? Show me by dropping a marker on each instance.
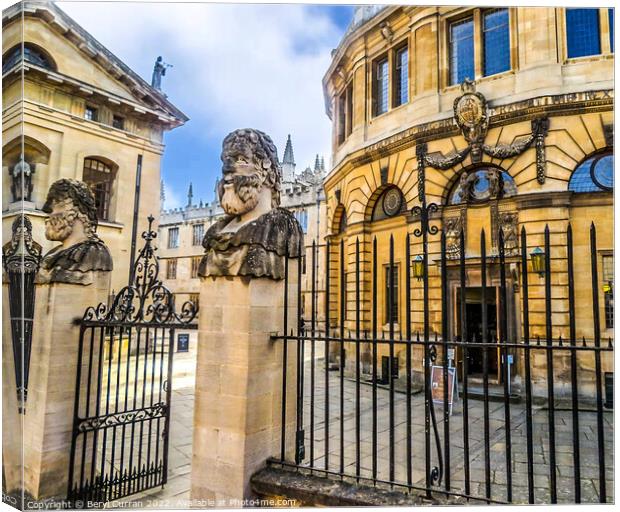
(176, 493)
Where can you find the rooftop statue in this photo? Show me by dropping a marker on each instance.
(256, 234)
(72, 221)
(159, 70)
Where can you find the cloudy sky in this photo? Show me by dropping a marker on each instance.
(235, 66)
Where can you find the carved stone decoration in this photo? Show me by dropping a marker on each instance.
(21, 180)
(540, 127)
(72, 220)
(384, 175)
(420, 151)
(21, 257)
(470, 114)
(386, 31)
(508, 222)
(452, 227)
(256, 235)
(608, 132)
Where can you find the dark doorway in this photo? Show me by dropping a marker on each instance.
(473, 312)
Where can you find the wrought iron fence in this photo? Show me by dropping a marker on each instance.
(439, 427)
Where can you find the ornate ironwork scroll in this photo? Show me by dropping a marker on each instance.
(21, 257)
(423, 212)
(146, 300)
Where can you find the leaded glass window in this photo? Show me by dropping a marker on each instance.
(595, 174)
(461, 51)
(198, 233)
(582, 32)
(195, 265)
(31, 54)
(381, 86)
(391, 294)
(173, 238)
(482, 187)
(401, 76)
(496, 41)
(171, 268)
(99, 176)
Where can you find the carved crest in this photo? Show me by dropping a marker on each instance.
(470, 113)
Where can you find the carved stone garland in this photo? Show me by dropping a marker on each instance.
(471, 115)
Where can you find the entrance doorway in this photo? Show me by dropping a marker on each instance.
(473, 319)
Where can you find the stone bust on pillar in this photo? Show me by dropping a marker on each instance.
(72, 221)
(256, 234)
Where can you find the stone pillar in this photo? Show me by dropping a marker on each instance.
(48, 420)
(238, 407)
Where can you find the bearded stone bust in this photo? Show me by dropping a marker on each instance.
(256, 234)
(72, 220)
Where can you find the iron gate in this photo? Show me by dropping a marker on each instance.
(121, 418)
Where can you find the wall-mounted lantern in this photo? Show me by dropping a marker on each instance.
(418, 267)
(538, 261)
(608, 287)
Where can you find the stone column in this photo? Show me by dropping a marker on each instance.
(48, 419)
(238, 406)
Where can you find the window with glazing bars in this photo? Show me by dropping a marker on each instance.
(462, 51)
(198, 233)
(582, 32)
(349, 109)
(380, 86)
(195, 265)
(171, 268)
(173, 238)
(401, 76)
(99, 177)
(341, 117)
(391, 290)
(496, 36)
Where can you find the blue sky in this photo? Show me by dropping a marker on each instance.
(235, 66)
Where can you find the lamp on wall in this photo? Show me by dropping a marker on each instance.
(418, 267)
(538, 261)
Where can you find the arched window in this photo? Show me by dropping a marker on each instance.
(481, 185)
(391, 202)
(99, 176)
(32, 54)
(594, 174)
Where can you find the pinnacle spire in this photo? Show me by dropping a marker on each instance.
(190, 195)
(288, 152)
(317, 164)
(162, 194)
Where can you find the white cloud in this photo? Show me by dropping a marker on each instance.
(173, 199)
(235, 65)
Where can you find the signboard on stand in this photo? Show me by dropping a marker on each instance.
(437, 385)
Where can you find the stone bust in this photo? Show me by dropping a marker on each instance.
(72, 220)
(256, 234)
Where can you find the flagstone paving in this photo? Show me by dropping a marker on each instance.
(176, 493)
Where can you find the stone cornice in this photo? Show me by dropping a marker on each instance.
(550, 105)
(64, 25)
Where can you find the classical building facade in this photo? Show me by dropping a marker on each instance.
(181, 232)
(503, 117)
(74, 110)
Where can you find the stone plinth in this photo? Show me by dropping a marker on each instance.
(47, 424)
(237, 415)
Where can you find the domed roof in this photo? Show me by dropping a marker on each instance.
(362, 14)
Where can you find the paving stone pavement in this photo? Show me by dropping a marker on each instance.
(176, 492)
